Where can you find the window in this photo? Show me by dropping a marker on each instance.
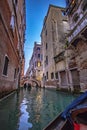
(47, 75)
(35, 64)
(41, 57)
(12, 22)
(45, 78)
(46, 60)
(56, 75)
(15, 2)
(52, 75)
(63, 13)
(18, 70)
(84, 5)
(5, 65)
(14, 73)
(38, 55)
(76, 17)
(38, 48)
(46, 46)
(67, 2)
(46, 33)
(39, 64)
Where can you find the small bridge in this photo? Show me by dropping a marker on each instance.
(31, 81)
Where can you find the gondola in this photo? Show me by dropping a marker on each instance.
(74, 117)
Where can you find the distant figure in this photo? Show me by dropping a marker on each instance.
(36, 85)
(29, 86)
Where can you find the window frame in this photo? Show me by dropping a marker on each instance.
(5, 67)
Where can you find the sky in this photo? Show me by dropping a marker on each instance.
(36, 10)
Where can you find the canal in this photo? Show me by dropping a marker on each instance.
(32, 109)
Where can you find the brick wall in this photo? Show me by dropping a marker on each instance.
(7, 48)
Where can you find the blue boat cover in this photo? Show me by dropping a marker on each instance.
(77, 101)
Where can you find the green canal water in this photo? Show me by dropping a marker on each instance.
(32, 110)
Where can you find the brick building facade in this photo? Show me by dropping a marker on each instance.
(77, 44)
(12, 29)
(35, 64)
(65, 47)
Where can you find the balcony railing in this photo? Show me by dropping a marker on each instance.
(82, 24)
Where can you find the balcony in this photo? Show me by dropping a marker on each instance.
(79, 31)
(70, 7)
(59, 57)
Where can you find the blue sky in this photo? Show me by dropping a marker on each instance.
(36, 10)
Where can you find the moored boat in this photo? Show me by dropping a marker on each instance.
(73, 118)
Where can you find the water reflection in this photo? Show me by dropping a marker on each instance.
(9, 112)
(32, 110)
(23, 123)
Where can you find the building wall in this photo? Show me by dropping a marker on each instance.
(66, 46)
(9, 42)
(55, 28)
(35, 64)
(81, 60)
(78, 41)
